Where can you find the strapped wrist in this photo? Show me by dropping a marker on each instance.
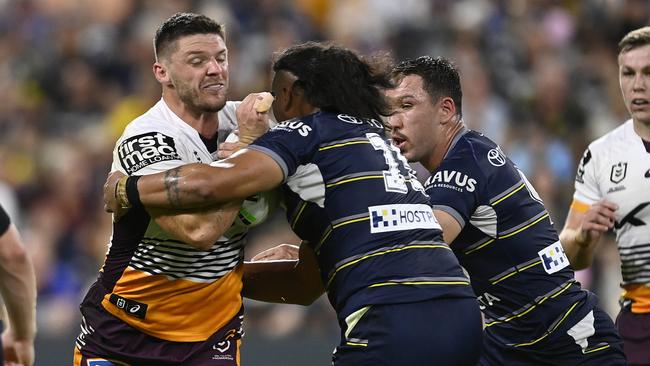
(131, 190)
(120, 193)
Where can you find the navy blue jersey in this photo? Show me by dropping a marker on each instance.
(507, 243)
(384, 246)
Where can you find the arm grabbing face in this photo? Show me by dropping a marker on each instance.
(199, 185)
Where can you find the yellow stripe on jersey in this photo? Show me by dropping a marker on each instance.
(524, 228)
(579, 206)
(202, 308)
(415, 283)
(555, 326)
(379, 253)
(509, 194)
(516, 271)
(531, 306)
(473, 249)
(300, 210)
(330, 185)
(343, 144)
(350, 221)
(586, 351)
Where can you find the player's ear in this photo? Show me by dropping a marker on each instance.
(447, 109)
(160, 72)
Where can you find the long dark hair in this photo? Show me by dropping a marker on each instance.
(337, 79)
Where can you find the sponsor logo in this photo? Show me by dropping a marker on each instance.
(496, 157)
(293, 125)
(101, 362)
(387, 218)
(446, 178)
(553, 258)
(586, 157)
(140, 151)
(618, 172)
(616, 189)
(357, 121)
(647, 174)
(130, 307)
(221, 346)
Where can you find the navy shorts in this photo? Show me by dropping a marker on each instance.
(591, 341)
(635, 331)
(442, 332)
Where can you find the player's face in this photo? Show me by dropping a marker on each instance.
(414, 119)
(198, 71)
(285, 103)
(634, 76)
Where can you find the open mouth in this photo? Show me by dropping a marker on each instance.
(639, 102)
(213, 87)
(398, 140)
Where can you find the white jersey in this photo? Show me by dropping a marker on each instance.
(616, 167)
(155, 273)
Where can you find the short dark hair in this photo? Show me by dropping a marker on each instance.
(184, 24)
(439, 75)
(337, 79)
(636, 38)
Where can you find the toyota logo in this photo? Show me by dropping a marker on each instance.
(496, 158)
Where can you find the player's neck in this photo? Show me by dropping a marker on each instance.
(206, 123)
(642, 129)
(439, 153)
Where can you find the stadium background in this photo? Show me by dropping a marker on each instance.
(539, 77)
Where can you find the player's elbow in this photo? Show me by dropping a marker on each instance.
(12, 253)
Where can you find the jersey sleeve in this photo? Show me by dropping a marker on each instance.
(147, 150)
(455, 187)
(291, 144)
(4, 221)
(586, 183)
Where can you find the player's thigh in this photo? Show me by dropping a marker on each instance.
(635, 332)
(439, 331)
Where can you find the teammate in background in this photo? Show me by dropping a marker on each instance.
(169, 292)
(611, 192)
(18, 289)
(535, 311)
(399, 293)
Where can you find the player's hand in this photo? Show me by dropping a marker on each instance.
(110, 199)
(226, 149)
(280, 252)
(17, 352)
(252, 116)
(597, 220)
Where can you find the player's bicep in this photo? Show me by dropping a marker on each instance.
(451, 227)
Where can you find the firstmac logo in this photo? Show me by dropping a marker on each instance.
(140, 151)
(387, 218)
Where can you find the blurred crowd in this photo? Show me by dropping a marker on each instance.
(540, 78)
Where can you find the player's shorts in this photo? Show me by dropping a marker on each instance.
(591, 341)
(106, 341)
(635, 331)
(442, 332)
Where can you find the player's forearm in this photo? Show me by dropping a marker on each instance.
(199, 229)
(18, 286)
(580, 251)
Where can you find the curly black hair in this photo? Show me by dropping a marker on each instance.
(337, 79)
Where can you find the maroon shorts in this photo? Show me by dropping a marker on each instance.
(106, 341)
(635, 332)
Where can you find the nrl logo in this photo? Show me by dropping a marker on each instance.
(618, 172)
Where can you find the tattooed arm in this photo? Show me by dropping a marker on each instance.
(199, 185)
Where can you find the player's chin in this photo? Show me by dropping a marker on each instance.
(214, 104)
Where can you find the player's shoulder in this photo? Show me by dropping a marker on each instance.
(157, 119)
(620, 136)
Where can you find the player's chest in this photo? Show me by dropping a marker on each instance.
(625, 180)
